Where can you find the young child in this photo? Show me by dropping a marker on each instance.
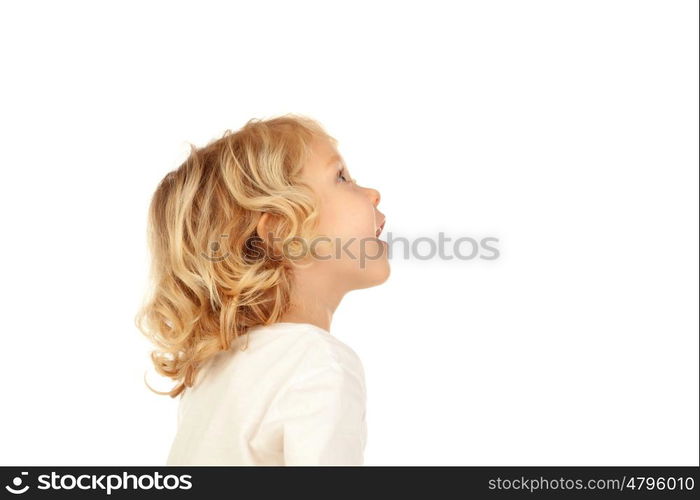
(254, 241)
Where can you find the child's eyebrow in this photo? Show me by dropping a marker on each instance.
(333, 159)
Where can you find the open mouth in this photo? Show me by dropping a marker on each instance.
(380, 228)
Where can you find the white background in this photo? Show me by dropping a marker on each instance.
(567, 129)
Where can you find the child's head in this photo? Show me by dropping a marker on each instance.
(249, 228)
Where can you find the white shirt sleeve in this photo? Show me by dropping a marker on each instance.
(323, 413)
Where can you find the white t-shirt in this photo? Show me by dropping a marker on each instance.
(295, 396)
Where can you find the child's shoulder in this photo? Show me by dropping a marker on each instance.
(326, 346)
(310, 339)
(322, 359)
(304, 348)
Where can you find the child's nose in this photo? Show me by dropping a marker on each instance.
(374, 196)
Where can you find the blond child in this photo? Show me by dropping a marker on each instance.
(254, 241)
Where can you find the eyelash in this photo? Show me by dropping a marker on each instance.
(341, 173)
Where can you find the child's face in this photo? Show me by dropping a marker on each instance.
(349, 216)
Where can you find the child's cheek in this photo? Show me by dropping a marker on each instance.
(341, 218)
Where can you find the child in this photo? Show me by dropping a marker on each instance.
(254, 241)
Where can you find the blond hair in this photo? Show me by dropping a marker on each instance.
(198, 305)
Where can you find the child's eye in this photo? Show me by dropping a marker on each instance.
(343, 177)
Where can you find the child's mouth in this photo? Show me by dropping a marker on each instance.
(380, 228)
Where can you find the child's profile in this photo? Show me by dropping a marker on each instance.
(254, 240)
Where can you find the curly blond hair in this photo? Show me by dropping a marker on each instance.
(197, 305)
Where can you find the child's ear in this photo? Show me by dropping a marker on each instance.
(263, 226)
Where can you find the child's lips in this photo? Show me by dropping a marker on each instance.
(380, 228)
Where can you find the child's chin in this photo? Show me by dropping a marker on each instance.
(376, 273)
(385, 275)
